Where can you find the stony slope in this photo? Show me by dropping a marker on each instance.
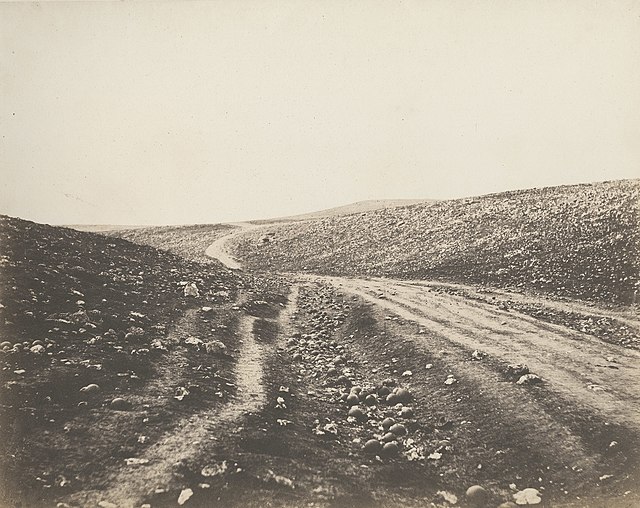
(580, 241)
(80, 309)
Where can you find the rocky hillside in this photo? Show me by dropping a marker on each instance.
(88, 339)
(580, 241)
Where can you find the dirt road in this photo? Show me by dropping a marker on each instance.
(219, 249)
(593, 374)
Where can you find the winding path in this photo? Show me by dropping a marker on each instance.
(219, 249)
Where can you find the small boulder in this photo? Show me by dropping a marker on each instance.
(191, 290)
(517, 370)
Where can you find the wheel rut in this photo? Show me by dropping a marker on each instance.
(129, 486)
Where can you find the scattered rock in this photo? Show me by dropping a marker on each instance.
(191, 290)
(180, 393)
(517, 370)
(91, 389)
(215, 347)
(185, 495)
(280, 480)
(527, 496)
(215, 469)
(478, 355)
(529, 379)
(133, 461)
(448, 496)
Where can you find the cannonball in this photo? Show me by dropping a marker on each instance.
(387, 422)
(372, 447)
(119, 404)
(403, 395)
(388, 437)
(383, 391)
(353, 399)
(390, 449)
(477, 495)
(371, 400)
(406, 412)
(357, 413)
(398, 429)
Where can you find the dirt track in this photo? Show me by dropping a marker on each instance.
(573, 364)
(219, 249)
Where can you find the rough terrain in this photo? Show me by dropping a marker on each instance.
(261, 384)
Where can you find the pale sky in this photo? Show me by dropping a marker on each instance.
(190, 112)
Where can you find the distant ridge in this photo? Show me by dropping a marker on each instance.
(101, 228)
(368, 205)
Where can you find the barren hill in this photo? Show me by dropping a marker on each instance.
(579, 240)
